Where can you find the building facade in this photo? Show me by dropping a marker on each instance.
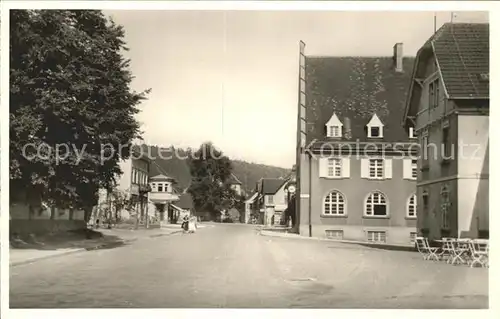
(162, 195)
(272, 200)
(448, 107)
(356, 170)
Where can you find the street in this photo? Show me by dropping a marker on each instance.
(232, 266)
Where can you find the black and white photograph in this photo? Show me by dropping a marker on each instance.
(247, 159)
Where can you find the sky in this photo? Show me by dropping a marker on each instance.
(231, 77)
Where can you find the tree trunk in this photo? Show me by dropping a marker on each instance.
(71, 212)
(52, 212)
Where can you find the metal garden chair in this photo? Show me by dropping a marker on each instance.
(479, 252)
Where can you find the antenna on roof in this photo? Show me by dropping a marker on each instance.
(435, 22)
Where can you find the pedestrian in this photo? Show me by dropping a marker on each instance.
(192, 225)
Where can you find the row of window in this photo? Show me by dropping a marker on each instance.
(139, 177)
(374, 128)
(161, 187)
(373, 168)
(376, 236)
(375, 205)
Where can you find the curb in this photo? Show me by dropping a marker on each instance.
(362, 243)
(81, 250)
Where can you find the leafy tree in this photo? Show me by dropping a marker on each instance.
(210, 171)
(69, 95)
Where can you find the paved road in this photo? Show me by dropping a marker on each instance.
(232, 266)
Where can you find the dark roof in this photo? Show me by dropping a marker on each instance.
(462, 54)
(271, 185)
(462, 51)
(185, 201)
(354, 88)
(233, 179)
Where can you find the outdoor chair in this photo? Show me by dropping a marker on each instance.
(426, 250)
(479, 252)
(460, 251)
(447, 250)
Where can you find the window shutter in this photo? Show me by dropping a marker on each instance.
(346, 167)
(365, 170)
(323, 164)
(388, 168)
(407, 168)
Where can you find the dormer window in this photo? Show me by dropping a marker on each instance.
(334, 127)
(411, 133)
(375, 127)
(334, 131)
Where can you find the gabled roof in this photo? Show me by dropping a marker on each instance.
(252, 198)
(354, 88)
(161, 177)
(233, 180)
(462, 55)
(185, 201)
(271, 185)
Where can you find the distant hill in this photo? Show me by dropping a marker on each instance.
(177, 167)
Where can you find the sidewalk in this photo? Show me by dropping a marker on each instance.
(20, 256)
(283, 234)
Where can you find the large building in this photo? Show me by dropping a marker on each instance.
(448, 105)
(355, 176)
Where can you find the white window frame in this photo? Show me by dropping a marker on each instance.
(336, 232)
(160, 185)
(334, 167)
(411, 204)
(411, 133)
(380, 134)
(375, 198)
(376, 168)
(414, 168)
(335, 131)
(377, 235)
(270, 199)
(340, 204)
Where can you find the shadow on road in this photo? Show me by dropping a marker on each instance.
(83, 239)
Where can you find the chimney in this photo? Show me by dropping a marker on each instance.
(398, 57)
(347, 128)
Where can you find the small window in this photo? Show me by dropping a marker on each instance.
(160, 187)
(334, 167)
(412, 133)
(414, 168)
(376, 205)
(375, 131)
(376, 236)
(334, 131)
(425, 202)
(411, 209)
(445, 207)
(335, 234)
(376, 166)
(334, 204)
(270, 199)
(446, 143)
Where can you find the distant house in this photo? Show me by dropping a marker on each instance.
(162, 194)
(184, 206)
(448, 108)
(250, 207)
(235, 184)
(272, 200)
(355, 174)
(133, 184)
